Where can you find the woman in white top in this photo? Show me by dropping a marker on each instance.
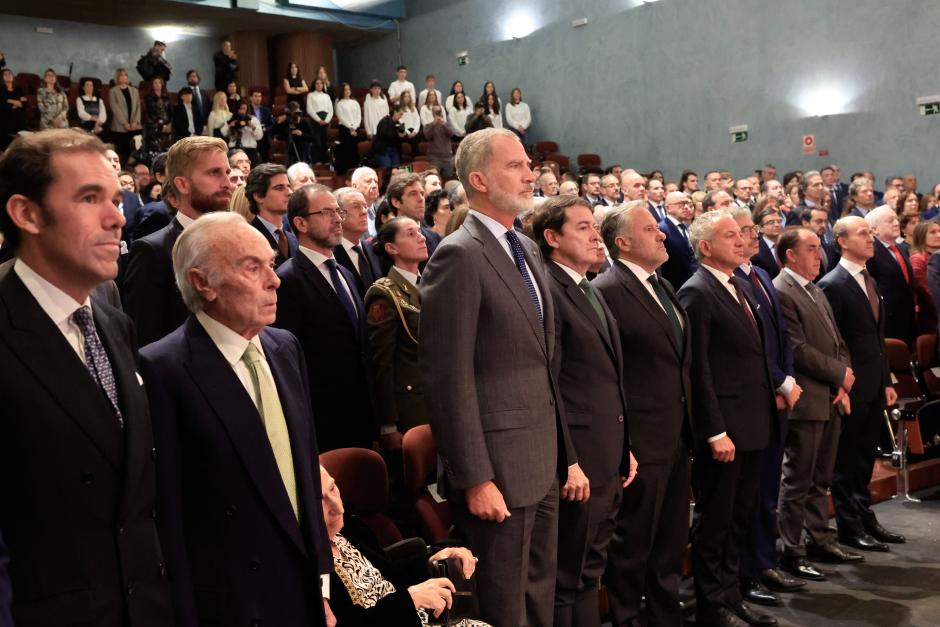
(90, 108)
(219, 116)
(376, 108)
(458, 114)
(409, 115)
(320, 110)
(456, 88)
(349, 115)
(490, 88)
(491, 109)
(430, 100)
(518, 116)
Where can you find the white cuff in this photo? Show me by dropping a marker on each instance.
(715, 438)
(386, 429)
(325, 586)
(787, 386)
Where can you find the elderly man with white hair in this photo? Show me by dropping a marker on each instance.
(366, 180)
(352, 252)
(232, 422)
(891, 269)
(300, 174)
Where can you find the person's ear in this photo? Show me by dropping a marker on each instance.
(551, 238)
(477, 180)
(200, 282)
(25, 214)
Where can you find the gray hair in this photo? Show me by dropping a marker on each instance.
(875, 216)
(341, 194)
(194, 248)
(360, 173)
(293, 172)
(703, 228)
(474, 152)
(618, 222)
(738, 211)
(805, 181)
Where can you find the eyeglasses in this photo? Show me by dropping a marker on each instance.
(328, 212)
(772, 223)
(748, 230)
(681, 203)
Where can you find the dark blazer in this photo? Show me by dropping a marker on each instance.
(201, 107)
(151, 297)
(6, 587)
(234, 549)
(765, 259)
(291, 241)
(77, 513)
(863, 335)
(150, 219)
(339, 368)
(106, 292)
(132, 209)
(433, 239)
(588, 365)
(266, 118)
(681, 263)
(226, 70)
(658, 386)
(896, 293)
(491, 393)
(180, 122)
(655, 214)
(373, 269)
(732, 389)
(393, 340)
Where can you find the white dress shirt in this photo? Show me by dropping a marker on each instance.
(411, 277)
(349, 113)
(457, 118)
(318, 101)
(397, 88)
(577, 278)
(856, 271)
(424, 96)
(802, 282)
(374, 110)
(411, 119)
(319, 260)
(353, 255)
(427, 116)
(644, 278)
(518, 115)
(184, 219)
(58, 305)
(499, 232)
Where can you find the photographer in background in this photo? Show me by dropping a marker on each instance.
(154, 63)
(297, 130)
(438, 133)
(388, 135)
(243, 131)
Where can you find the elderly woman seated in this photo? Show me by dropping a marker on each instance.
(367, 589)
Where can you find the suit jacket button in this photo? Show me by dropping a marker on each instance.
(256, 623)
(153, 453)
(551, 401)
(254, 566)
(408, 387)
(130, 588)
(161, 569)
(88, 478)
(230, 510)
(619, 418)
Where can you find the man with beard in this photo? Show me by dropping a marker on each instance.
(198, 168)
(491, 394)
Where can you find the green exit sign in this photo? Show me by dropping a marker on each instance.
(737, 138)
(462, 60)
(932, 108)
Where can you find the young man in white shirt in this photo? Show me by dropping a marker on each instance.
(400, 86)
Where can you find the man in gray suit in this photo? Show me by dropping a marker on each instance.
(487, 340)
(822, 363)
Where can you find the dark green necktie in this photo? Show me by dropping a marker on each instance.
(670, 310)
(591, 295)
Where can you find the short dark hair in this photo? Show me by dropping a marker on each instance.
(26, 169)
(252, 92)
(258, 181)
(184, 90)
(396, 187)
(159, 164)
(763, 213)
(685, 177)
(193, 71)
(709, 200)
(400, 67)
(431, 203)
(788, 240)
(300, 199)
(552, 215)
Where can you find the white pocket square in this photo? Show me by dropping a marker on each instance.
(140, 380)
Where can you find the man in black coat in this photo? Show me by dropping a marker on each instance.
(732, 416)
(185, 120)
(226, 66)
(646, 553)
(202, 103)
(268, 190)
(76, 445)
(860, 314)
(588, 366)
(681, 263)
(240, 504)
(318, 302)
(406, 195)
(198, 169)
(891, 269)
(353, 253)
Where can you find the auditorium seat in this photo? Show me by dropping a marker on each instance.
(564, 164)
(420, 164)
(545, 148)
(420, 469)
(332, 134)
(904, 372)
(926, 356)
(29, 83)
(588, 159)
(362, 478)
(423, 147)
(363, 148)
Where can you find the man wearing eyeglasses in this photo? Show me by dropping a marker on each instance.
(681, 263)
(319, 303)
(770, 224)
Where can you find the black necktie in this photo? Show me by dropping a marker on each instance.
(365, 269)
(668, 307)
(340, 287)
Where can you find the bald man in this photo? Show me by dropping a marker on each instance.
(681, 263)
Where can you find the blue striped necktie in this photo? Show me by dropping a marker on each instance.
(516, 247)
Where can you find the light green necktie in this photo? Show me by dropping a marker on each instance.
(275, 425)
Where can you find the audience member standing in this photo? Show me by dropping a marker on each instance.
(353, 253)
(75, 434)
(438, 135)
(491, 109)
(153, 63)
(648, 546)
(328, 88)
(320, 110)
(90, 108)
(680, 263)
(318, 302)
(240, 509)
(52, 103)
(157, 117)
(860, 315)
(366, 181)
(268, 190)
(197, 168)
(226, 65)
(587, 364)
(295, 86)
(375, 108)
(12, 109)
(822, 364)
(457, 114)
(386, 140)
(733, 408)
(428, 103)
(184, 120)
(243, 131)
(430, 86)
(769, 223)
(926, 243)
(494, 413)
(891, 269)
(233, 92)
(265, 118)
(400, 85)
(518, 115)
(456, 88)
(406, 197)
(219, 116)
(202, 104)
(124, 102)
(349, 115)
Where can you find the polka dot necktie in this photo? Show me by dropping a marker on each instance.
(96, 359)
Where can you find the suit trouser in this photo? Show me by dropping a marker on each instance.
(855, 462)
(645, 554)
(724, 498)
(760, 551)
(808, 462)
(584, 531)
(516, 572)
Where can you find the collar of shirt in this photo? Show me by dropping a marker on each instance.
(577, 278)
(411, 277)
(348, 245)
(723, 278)
(641, 274)
(770, 243)
(852, 267)
(493, 226)
(269, 226)
(230, 344)
(884, 243)
(746, 268)
(318, 259)
(58, 305)
(796, 277)
(674, 221)
(184, 220)
(809, 204)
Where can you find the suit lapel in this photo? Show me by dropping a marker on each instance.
(729, 301)
(629, 280)
(576, 295)
(860, 295)
(312, 275)
(237, 413)
(36, 341)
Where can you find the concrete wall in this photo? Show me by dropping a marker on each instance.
(97, 50)
(658, 85)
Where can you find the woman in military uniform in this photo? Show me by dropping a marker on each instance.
(393, 306)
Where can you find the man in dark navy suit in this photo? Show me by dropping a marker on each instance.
(758, 569)
(353, 253)
(240, 503)
(681, 263)
(891, 269)
(268, 190)
(734, 408)
(318, 302)
(769, 223)
(406, 196)
(266, 117)
(202, 104)
(817, 220)
(860, 316)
